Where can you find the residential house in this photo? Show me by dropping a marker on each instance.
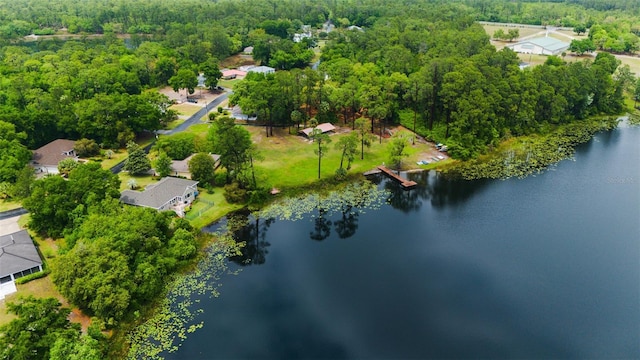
(228, 74)
(46, 158)
(18, 257)
(181, 167)
(169, 193)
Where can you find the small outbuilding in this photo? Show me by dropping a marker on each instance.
(18, 257)
(325, 127)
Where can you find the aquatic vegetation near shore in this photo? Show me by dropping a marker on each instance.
(355, 197)
(530, 155)
(174, 317)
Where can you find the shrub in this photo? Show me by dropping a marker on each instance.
(34, 276)
(234, 194)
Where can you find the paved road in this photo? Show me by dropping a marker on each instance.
(194, 119)
(11, 213)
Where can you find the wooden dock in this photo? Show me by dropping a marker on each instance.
(406, 184)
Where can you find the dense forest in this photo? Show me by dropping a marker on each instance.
(426, 64)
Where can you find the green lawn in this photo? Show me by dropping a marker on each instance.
(220, 207)
(174, 124)
(186, 109)
(229, 84)
(8, 205)
(39, 288)
(117, 155)
(142, 181)
(290, 160)
(198, 129)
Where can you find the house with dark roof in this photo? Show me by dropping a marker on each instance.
(181, 167)
(540, 46)
(168, 194)
(18, 257)
(46, 158)
(324, 127)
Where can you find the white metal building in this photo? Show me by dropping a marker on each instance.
(540, 46)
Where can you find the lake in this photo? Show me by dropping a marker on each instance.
(542, 267)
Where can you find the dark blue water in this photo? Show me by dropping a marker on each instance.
(542, 267)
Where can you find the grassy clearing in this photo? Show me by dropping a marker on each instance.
(8, 205)
(198, 129)
(142, 181)
(186, 109)
(220, 208)
(40, 288)
(117, 155)
(490, 29)
(633, 62)
(290, 160)
(229, 84)
(173, 124)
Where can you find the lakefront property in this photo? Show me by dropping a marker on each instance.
(288, 237)
(168, 194)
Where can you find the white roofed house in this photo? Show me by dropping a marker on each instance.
(262, 69)
(168, 194)
(18, 257)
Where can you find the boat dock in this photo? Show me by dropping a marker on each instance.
(406, 184)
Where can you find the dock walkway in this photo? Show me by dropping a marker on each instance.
(406, 184)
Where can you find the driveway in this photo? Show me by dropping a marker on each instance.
(9, 225)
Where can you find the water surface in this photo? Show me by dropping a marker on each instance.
(542, 267)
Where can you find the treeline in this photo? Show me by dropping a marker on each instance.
(457, 87)
(23, 17)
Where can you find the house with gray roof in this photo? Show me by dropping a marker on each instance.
(181, 167)
(169, 193)
(540, 46)
(18, 257)
(46, 158)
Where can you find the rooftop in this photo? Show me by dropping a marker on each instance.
(158, 194)
(54, 152)
(325, 127)
(548, 43)
(17, 253)
(182, 166)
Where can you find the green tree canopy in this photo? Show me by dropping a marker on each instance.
(232, 143)
(56, 205)
(202, 167)
(163, 164)
(119, 258)
(40, 323)
(13, 155)
(184, 79)
(137, 162)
